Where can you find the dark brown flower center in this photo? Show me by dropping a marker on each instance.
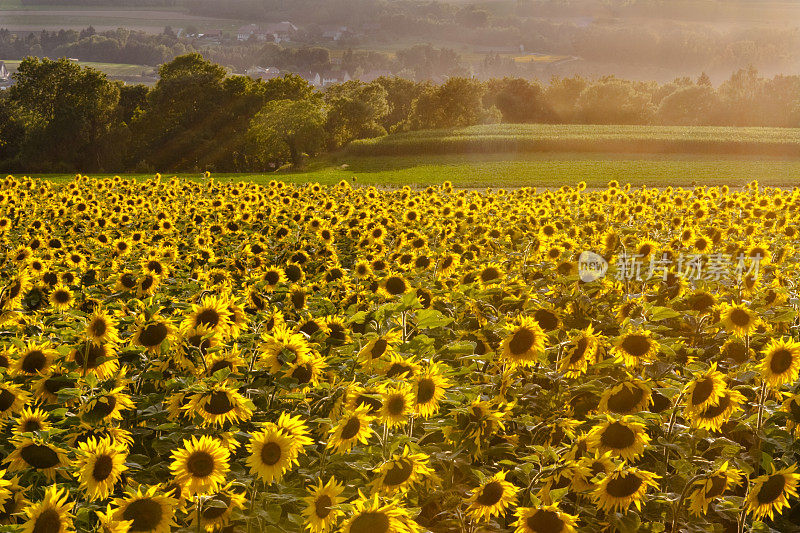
(351, 428)
(521, 341)
(781, 361)
(370, 522)
(617, 436)
(425, 390)
(544, 521)
(218, 403)
(399, 472)
(702, 391)
(491, 494)
(153, 335)
(771, 490)
(7, 399)
(47, 522)
(395, 285)
(39, 456)
(200, 464)
(322, 506)
(716, 410)
(636, 345)
(33, 361)
(146, 514)
(271, 453)
(624, 485)
(625, 400)
(207, 317)
(396, 405)
(740, 318)
(102, 467)
(379, 348)
(718, 485)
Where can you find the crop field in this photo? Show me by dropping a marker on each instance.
(188, 355)
(518, 138)
(111, 69)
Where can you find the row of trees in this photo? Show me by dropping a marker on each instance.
(59, 116)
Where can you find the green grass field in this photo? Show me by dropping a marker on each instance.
(540, 170)
(533, 138)
(111, 69)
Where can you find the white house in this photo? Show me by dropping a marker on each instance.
(334, 33)
(333, 76)
(3, 72)
(263, 73)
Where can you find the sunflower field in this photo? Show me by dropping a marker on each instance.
(190, 355)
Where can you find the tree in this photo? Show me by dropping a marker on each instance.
(355, 109)
(67, 110)
(400, 95)
(12, 131)
(614, 101)
(518, 100)
(285, 130)
(457, 102)
(691, 105)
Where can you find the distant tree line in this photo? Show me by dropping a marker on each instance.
(60, 116)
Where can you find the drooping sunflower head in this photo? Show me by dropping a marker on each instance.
(36, 454)
(770, 493)
(219, 405)
(623, 437)
(626, 398)
(712, 486)
(319, 512)
(622, 487)
(738, 319)
(544, 519)
(705, 390)
(430, 388)
(636, 347)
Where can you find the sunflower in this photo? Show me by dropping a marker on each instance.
(212, 312)
(379, 346)
(370, 516)
(106, 406)
(231, 359)
(491, 273)
(705, 390)
(429, 388)
(61, 297)
(711, 486)
(13, 399)
(95, 357)
(544, 519)
(582, 351)
(712, 417)
(770, 493)
(623, 437)
(394, 284)
(99, 465)
(272, 453)
(398, 403)
(625, 485)
(524, 342)
(148, 511)
(352, 428)
(401, 472)
(598, 465)
(215, 517)
(32, 420)
(738, 319)
(272, 277)
(295, 427)
(153, 334)
(492, 498)
(200, 465)
(321, 517)
(635, 347)
(14, 502)
(36, 454)
(626, 398)
(309, 371)
(51, 515)
(282, 347)
(781, 362)
(34, 359)
(108, 524)
(219, 405)
(399, 367)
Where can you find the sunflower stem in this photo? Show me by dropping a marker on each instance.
(676, 511)
(199, 507)
(670, 427)
(759, 421)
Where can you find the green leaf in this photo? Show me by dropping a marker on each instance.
(431, 318)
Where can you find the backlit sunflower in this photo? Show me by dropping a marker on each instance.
(738, 319)
(296, 428)
(524, 342)
(626, 398)
(219, 405)
(13, 399)
(272, 453)
(32, 420)
(99, 465)
(492, 498)
(61, 297)
(792, 409)
(544, 519)
(319, 512)
(712, 486)
(373, 516)
(307, 372)
(353, 427)
(430, 387)
(36, 454)
(148, 511)
(401, 472)
(282, 347)
(636, 347)
(398, 404)
(34, 359)
(770, 493)
(581, 352)
(712, 417)
(781, 362)
(97, 358)
(624, 437)
(51, 515)
(106, 523)
(212, 312)
(394, 284)
(217, 510)
(106, 406)
(623, 487)
(704, 390)
(200, 465)
(378, 347)
(153, 334)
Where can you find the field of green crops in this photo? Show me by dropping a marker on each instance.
(519, 138)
